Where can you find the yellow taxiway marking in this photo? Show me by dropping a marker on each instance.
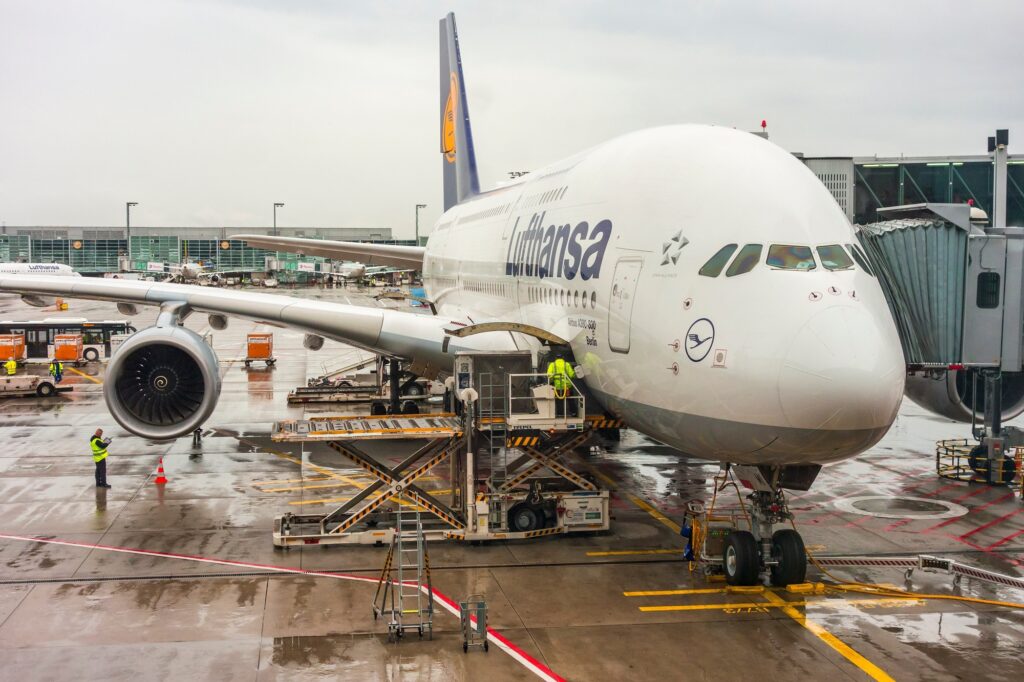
(777, 602)
(83, 374)
(627, 552)
(311, 486)
(606, 479)
(869, 668)
(668, 593)
(655, 513)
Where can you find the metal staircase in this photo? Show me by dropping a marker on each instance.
(404, 592)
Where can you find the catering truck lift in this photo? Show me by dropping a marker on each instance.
(509, 430)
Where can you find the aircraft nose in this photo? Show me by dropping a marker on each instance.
(844, 371)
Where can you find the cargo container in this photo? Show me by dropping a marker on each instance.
(260, 349)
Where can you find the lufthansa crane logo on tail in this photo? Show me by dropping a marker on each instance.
(448, 124)
(699, 339)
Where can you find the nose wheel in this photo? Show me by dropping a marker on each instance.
(747, 555)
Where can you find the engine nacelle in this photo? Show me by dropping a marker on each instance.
(37, 301)
(952, 394)
(162, 383)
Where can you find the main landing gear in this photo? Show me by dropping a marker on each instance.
(744, 556)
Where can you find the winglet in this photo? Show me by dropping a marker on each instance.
(457, 156)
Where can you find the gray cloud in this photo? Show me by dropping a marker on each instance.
(208, 112)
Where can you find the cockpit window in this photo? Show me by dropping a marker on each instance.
(715, 264)
(860, 257)
(746, 260)
(834, 258)
(787, 257)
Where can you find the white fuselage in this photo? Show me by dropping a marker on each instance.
(771, 366)
(52, 269)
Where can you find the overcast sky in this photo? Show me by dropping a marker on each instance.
(208, 112)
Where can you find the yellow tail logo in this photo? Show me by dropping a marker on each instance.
(448, 125)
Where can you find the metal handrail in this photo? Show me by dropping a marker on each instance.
(572, 395)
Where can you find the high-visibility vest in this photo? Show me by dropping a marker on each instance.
(11, 366)
(559, 373)
(99, 450)
(56, 368)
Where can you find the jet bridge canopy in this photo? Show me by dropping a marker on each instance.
(954, 289)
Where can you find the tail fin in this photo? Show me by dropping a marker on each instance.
(459, 159)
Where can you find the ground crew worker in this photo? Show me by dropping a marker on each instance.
(560, 374)
(56, 370)
(99, 455)
(12, 367)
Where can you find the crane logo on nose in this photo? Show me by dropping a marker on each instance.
(699, 339)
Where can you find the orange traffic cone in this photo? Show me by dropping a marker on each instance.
(160, 478)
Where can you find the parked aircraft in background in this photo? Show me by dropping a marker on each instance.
(51, 269)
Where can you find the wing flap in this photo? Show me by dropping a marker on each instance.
(370, 254)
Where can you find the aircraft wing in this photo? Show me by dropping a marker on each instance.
(420, 338)
(370, 254)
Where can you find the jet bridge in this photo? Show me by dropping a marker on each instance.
(954, 288)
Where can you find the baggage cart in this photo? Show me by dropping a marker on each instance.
(260, 348)
(473, 617)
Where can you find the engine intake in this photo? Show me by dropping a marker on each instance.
(952, 394)
(162, 383)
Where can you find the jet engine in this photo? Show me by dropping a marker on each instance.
(953, 394)
(162, 383)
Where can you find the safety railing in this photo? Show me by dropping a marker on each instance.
(961, 460)
(535, 400)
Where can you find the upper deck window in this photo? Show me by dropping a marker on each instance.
(747, 259)
(786, 257)
(715, 264)
(834, 258)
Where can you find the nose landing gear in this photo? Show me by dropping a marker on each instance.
(743, 556)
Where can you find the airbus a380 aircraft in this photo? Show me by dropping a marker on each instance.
(704, 278)
(53, 269)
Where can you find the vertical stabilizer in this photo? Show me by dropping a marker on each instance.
(457, 156)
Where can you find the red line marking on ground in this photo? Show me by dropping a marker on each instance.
(970, 494)
(897, 524)
(1001, 557)
(976, 509)
(943, 488)
(991, 523)
(529, 662)
(1006, 539)
(858, 521)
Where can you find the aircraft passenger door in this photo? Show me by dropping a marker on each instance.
(620, 304)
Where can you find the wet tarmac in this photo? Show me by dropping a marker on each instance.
(181, 581)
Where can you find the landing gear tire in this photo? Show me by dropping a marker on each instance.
(788, 550)
(978, 461)
(740, 560)
(523, 517)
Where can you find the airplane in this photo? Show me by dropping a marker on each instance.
(186, 272)
(52, 269)
(703, 278)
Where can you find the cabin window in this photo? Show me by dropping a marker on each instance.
(746, 261)
(787, 257)
(593, 299)
(715, 264)
(833, 257)
(860, 257)
(576, 299)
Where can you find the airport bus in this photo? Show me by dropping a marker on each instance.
(39, 334)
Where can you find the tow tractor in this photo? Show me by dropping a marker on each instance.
(28, 386)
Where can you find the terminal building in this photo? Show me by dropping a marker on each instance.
(97, 250)
(862, 185)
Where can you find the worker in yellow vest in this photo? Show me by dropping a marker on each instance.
(560, 375)
(99, 444)
(57, 370)
(11, 366)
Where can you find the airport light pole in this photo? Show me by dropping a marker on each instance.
(128, 226)
(276, 206)
(418, 207)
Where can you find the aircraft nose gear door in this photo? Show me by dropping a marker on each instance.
(620, 307)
